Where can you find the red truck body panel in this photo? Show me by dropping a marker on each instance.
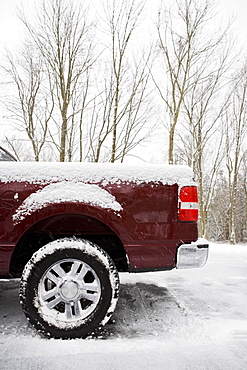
(143, 213)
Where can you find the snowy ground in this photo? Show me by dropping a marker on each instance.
(180, 319)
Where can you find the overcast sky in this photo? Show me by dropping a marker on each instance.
(10, 29)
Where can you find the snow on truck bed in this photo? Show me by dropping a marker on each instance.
(106, 173)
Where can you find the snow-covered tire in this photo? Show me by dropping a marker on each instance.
(69, 288)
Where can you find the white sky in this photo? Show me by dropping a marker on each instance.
(10, 25)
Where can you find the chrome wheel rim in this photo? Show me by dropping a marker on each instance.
(69, 291)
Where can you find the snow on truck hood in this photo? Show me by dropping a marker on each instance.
(105, 173)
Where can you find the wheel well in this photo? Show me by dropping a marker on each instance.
(60, 226)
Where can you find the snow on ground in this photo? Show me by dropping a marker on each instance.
(180, 319)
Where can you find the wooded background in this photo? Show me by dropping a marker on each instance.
(166, 84)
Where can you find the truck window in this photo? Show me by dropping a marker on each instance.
(6, 156)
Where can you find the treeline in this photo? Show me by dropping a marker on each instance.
(102, 84)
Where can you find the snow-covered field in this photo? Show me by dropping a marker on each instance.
(180, 319)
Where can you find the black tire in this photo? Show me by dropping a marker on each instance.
(69, 288)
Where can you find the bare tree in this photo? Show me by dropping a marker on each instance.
(202, 121)
(197, 64)
(184, 44)
(33, 106)
(235, 128)
(218, 219)
(62, 35)
(100, 123)
(243, 185)
(136, 123)
(127, 90)
(135, 110)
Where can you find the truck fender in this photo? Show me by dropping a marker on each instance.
(63, 192)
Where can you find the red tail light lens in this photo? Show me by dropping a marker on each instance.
(188, 204)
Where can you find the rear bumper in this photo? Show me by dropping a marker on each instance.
(192, 255)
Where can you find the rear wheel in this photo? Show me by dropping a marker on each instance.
(69, 288)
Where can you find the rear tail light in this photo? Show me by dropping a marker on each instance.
(188, 204)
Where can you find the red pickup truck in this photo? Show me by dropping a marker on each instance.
(67, 229)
